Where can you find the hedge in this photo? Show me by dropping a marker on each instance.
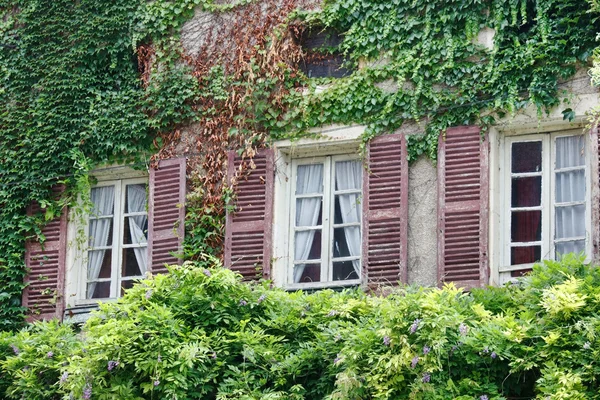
(200, 333)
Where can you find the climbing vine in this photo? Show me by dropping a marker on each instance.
(92, 82)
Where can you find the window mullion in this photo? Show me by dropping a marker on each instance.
(548, 218)
(117, 238)
(326, 245)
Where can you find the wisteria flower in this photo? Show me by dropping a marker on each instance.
(426, 349)
(15, 349)
(414, 361)
(415, 325)
(87, 392)
(493, 355)
(332, 313)
(156, 382)
(159, 359)
(426, 377)
(483, 397)
(261, 298)
(337, 360)
(243, 302)
(207, 273)
(587, 345)
(64, 377)
(387, 340)
(112, 364)
(463, 329)
(49, 354)
(148, 294)
(214, 356)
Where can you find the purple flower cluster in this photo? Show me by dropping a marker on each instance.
(332, 313)
(493, 355)
(15, 349)
(587, 345)
(426, 349)
(64, 377)
(415, 325)
(207, 273)
(426, 377)
(87, 392)
(156, 382)
(112, 364)
(463, 329)
(483, 397)
(214, 356)
(414, 361)
(148, 294)
(159, 359)
(261, 298)
(243, 303)
(387, 340)
(49, 354)
(337, 360)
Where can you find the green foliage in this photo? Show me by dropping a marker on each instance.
(200, 332)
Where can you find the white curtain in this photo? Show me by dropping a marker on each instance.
(136, 202)
(348, 175)
(309, 179)
(103, 199)
(570, 187)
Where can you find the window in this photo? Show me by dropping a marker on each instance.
(325, 233)
(117, 238)
(547, 198)
(322, 57)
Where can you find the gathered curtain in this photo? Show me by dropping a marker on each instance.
(348, 175)
(103, 199)
(136, 202)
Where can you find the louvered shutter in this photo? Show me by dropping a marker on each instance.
(44, 294)
(595, 174)
(385, 211)
(166, 213)
(248, 227)
(463, 183)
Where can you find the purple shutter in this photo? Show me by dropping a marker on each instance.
(248, 227)
(385, 210)
(44, 294)
(463, 190)
(166, 213)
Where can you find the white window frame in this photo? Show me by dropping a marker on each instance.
(327, 226)
(547, 195)
(78, 232)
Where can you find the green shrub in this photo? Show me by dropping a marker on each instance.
(199, 333)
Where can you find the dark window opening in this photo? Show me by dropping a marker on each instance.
(322, 58)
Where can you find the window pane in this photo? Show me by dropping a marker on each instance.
(309, 211)
(135, 230)
(525, 255)
(100, 232)
(526, 192)
(526, 157)
(103, 199)
(346, 242)
(570, 221)
(135, 198)
(99, 264)
(347, 208)
(306, 273)
(345, 270)
(98, 290)
(132, 258)
(570, 186)
(526, 226)
(570, 151)
(576, 246)
(309, 179)
(126, 284)
(307, 245)
(348, 175)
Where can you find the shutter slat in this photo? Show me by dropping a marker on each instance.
(385, 210)
(166, 213)
(44, 294)
(248, 228)
(463, 207)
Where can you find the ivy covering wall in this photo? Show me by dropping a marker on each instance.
(93, 82)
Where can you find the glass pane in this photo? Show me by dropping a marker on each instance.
(526, 192)
(136, 198)
(526, 226)
(346, 242)
(347, 208)
(100, 232)
(103, 199)
(132, 258)
(570, 151)
(526, 157)
(309, 211)
(307, 245)
(570, 186)
(98, 290)
(99, 264)
(525, 255)
(570, 221)
(126, 285)
(348, 175)
(135, 230)
(576, 246)
(309, 179)
(306, 273)
(345, 270)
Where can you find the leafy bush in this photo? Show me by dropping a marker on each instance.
(199, 333)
